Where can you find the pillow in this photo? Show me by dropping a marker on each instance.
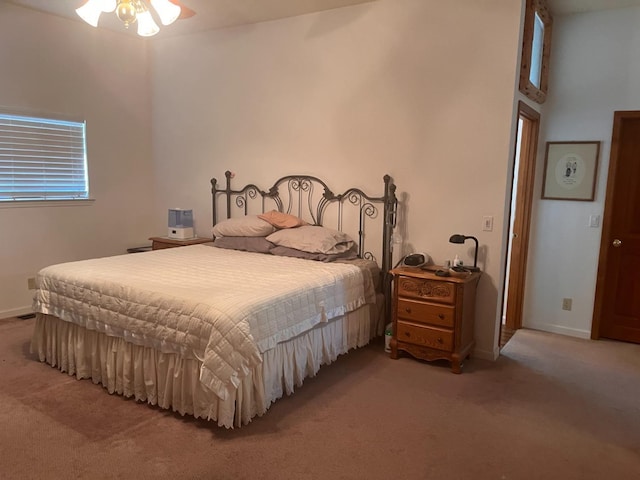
(321, 257)
(247, 244)
(313, 239)
(247, 226)
(282, 220)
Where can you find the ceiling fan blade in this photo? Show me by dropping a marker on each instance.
(185, 12)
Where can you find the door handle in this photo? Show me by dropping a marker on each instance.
(617, 243)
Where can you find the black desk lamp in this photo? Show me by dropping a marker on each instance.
(457, 238)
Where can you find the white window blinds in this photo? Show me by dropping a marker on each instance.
(42, 159)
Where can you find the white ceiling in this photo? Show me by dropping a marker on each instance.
(210, 14)
(213, 14)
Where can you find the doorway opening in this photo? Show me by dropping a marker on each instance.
(519, 220)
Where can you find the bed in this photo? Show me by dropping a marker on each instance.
(295, 276)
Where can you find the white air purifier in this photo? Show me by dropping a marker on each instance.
(181, 223)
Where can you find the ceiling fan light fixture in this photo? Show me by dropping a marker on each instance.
(146, 26)
(132, 11)
(108, 6)
(126, 12)
(167, 11)
(91, 10)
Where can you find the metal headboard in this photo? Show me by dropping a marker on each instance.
(309, 197)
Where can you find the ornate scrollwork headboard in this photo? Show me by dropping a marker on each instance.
(310, 198)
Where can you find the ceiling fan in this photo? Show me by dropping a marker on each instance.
(185, 12)
(132, 11)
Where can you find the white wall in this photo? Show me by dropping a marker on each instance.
(348, 94)
(420, 89)
(594, 70)
(56, 65)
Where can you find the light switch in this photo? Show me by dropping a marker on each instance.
(594, 221)
(487, 223)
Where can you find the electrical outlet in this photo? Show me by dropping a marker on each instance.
(31, 283)
(487, 223)
(566, 303)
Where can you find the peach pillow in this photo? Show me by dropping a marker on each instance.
(282, 220)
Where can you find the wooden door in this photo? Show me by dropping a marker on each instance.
(524, 176)
(617, 301)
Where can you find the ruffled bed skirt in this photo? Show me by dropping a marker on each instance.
(172, 382)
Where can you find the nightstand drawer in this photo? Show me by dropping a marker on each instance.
(428, 313)
(434, 290)
(438, 338)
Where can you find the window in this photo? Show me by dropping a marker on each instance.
(42, 159)
(536, 44)
(535, 72)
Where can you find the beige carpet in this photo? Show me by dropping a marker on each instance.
(551, 407)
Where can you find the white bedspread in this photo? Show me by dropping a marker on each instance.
(223, 307)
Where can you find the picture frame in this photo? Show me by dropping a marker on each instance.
(570, 170)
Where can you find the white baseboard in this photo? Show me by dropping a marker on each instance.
(551, 328)
(14, 312)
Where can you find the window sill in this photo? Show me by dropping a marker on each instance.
(46, 203)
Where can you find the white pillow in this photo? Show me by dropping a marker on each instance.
(247, 226)
(312, 239)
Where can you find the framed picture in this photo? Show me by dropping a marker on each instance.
(570, 170)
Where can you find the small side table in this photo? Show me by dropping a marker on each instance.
(158, 243)
(433, 317)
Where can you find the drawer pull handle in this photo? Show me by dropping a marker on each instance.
(439, 340)
(407, 309)
(441, 316)
(407, 334)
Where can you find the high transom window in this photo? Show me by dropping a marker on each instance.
(536, 46)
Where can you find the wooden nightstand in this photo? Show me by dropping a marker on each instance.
(433, 316)
(159, 243)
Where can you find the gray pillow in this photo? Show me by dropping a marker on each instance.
(247, 226)
(313, 239)
(321, 257)
(247, 244)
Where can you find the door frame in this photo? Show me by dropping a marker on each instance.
(516, 265)
(618, 119)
